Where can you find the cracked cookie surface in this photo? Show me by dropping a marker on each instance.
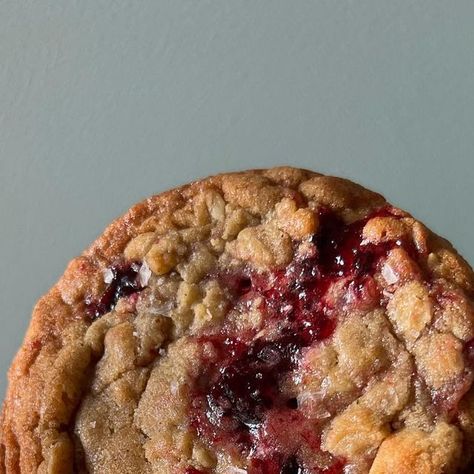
(265, 322)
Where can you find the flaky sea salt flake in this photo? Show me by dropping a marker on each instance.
(109, 276)
(144, 274)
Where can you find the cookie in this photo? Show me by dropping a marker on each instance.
(266, 322)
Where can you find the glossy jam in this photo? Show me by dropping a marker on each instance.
(340, 250)
(125, 282)
(291, 466)
(248, 386)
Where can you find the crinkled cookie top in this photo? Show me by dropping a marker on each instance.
(266, 322)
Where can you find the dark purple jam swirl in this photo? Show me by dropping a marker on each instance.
(125, 281)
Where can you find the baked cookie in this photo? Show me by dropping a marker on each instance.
(265, 322)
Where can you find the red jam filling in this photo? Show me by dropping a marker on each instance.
(247, 387)
(240, 403)
(125, 282)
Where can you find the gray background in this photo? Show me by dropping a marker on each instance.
(105, 102)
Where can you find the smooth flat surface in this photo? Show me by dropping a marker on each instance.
(103, 103)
